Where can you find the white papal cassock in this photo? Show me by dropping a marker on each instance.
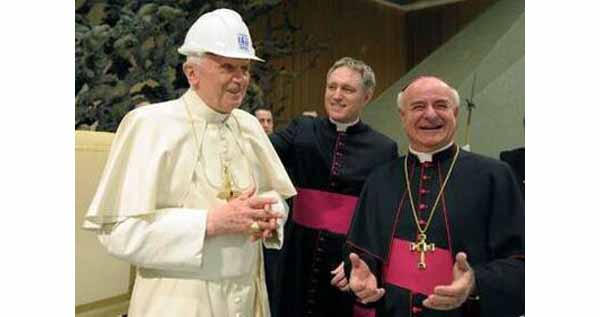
(163, 175)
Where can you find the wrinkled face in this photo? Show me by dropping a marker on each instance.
(429, 114)
(266, 120)
(345, 95)
(220, 81)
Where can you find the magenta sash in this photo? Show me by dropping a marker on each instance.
(323, 210)
(401, 269)
(359, 311)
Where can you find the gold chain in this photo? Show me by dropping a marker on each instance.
(228, 179)
(437, 200)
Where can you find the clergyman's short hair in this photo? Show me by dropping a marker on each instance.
(366, 72)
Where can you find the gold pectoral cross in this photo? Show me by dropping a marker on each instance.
(421, 246)
(227, 192)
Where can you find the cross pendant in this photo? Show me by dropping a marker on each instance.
(227, 192)
(225, 195)
(421, 246)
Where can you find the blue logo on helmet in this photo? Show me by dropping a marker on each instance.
(243, 42)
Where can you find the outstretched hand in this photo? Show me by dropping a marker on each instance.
(447, 297)
(362, 282)
(339, 279)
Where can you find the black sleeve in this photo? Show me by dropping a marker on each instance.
(360, 239)
(283, 141)
(501, 281)
(374, 266)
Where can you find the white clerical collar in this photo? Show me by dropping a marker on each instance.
(199, 108)
(342, 127)
(428, 156)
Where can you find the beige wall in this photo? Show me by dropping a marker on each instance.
(101, 282)
(492, 47)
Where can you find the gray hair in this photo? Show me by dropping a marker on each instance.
(453, 93)
(366, 72)
(193, 59)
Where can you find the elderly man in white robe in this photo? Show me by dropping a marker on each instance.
(193, 188)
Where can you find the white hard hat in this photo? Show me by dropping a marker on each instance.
(221, 32)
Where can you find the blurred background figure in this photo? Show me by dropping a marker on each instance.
(516, 159)
(265, 117)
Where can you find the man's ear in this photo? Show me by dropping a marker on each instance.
(401, 112)
(368, 96)
(190, 73)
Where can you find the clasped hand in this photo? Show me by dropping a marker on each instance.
(239, 214)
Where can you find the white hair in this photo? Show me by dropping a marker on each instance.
(455, 97)
(190, 60)
(193, 59)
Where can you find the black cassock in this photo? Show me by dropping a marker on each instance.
(516, 159)
(481, 213)
(328, 169)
